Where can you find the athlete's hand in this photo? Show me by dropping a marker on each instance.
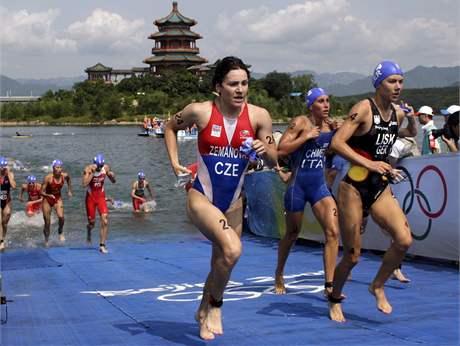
(259, 147)
(380, 167)
(450, 143)
(21, 199)
(181, 170)
(397, 176)
(408, 109)
(311, 134)
(69, 193)
(335, 123)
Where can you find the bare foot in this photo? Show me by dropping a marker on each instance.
(61, 237)
(214, 320)
(381, 299)
(2, 245)
(200, 317)
(336, 313)
(279, 284)
(47, 244)
(103, 248)
(398, 275)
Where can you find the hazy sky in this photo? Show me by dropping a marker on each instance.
(60, 38)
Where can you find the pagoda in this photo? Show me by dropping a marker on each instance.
(175, 46)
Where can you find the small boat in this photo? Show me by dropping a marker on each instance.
(186, 135)
(158, 133)
(17, 135)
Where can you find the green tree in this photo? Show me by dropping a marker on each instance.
(303, 83)
(153, 103)
(278, 85)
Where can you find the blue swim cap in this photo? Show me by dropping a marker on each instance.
(56, 163)
(312, 95)
(3, 162)
(141, 175)
(384, 70)
(31, 179)
(99, 160)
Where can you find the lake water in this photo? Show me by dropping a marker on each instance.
(126, 153)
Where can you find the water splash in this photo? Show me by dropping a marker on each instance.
(20, 220)
(128, 206)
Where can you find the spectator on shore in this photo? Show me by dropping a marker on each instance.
(430, 145)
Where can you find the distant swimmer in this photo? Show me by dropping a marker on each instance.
(365, 139)
(214, 202)
(138, 196)
(93, 177)
(34, 201)
(7, 183)
(51, 191)
(306, 142)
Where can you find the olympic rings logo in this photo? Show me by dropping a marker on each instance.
(425, 206)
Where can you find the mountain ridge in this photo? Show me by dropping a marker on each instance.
(337, 84)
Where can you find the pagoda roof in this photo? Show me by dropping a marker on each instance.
(175, 17)
(98, 68)
(174, 33)
(175, 58)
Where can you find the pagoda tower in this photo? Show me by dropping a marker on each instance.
(175, 46)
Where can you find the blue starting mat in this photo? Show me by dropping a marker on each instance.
(147, 294)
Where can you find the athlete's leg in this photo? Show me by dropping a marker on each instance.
(216, 227)
(46, 209)
(30, 210)
(350, 218)
(235, 220)
(293, 228)
(104, 232)
(59, 206)
(89, 228)
(387, 213)
(91, 215)
(6, 214)
(326, 213)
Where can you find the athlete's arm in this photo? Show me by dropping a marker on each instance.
(110, 174)
(23, 188)
(264, 145)
(299, 131)
(87, 175)
(185, 118)
(69, 184)
(358, 117)
(46, 182)
(147, 186)
(133, 190)
(11, 178)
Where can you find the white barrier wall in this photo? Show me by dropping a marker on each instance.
(430, 199)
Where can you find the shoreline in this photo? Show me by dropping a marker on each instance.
(42, 123)
(105, 123)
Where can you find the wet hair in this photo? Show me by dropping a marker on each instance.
(224, 66)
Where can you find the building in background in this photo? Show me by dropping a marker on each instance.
(175, 48)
